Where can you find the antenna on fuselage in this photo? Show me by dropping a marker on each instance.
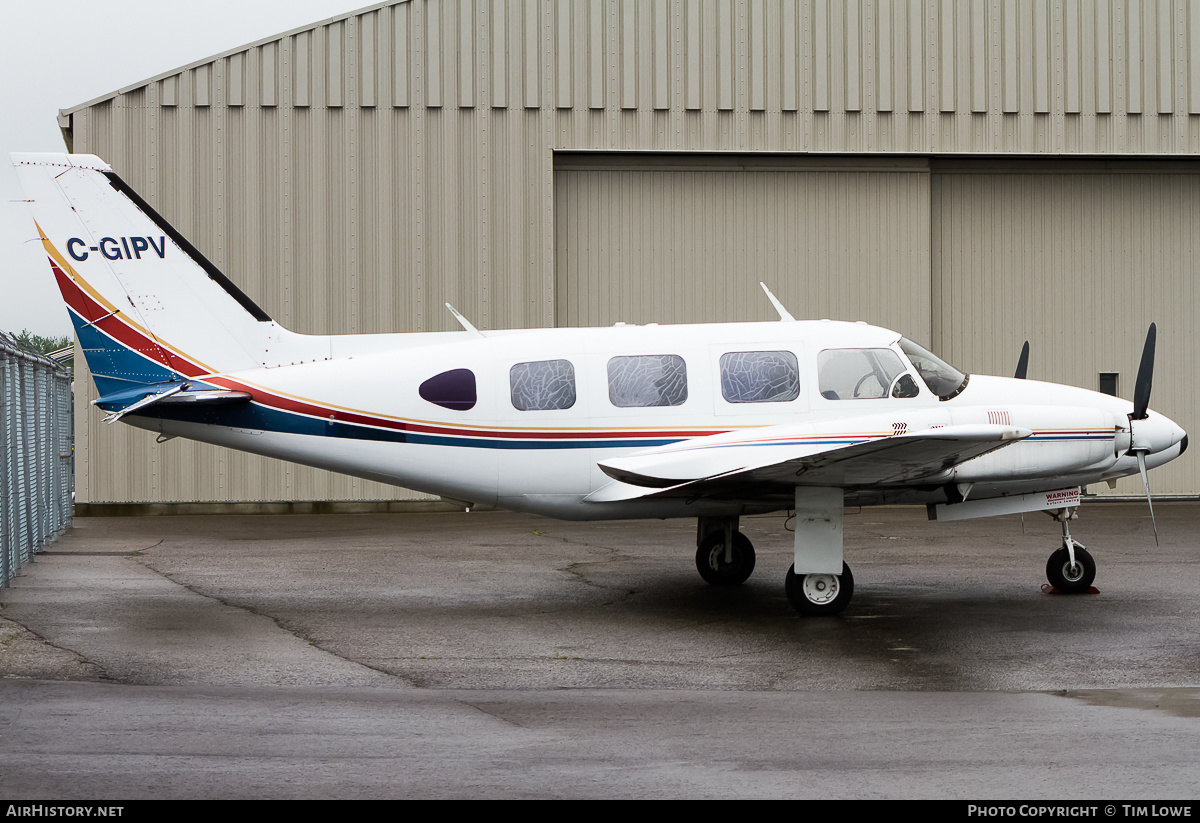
(466, 324)
(784, 314)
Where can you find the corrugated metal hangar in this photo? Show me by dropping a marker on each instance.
(973, 174)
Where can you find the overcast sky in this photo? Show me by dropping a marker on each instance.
(60, 53)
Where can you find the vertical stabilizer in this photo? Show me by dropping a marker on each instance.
(148, 308)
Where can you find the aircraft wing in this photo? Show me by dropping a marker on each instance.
(774, 458)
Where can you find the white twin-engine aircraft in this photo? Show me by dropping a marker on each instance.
(706, 421)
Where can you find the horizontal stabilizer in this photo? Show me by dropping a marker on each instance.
(130, 401)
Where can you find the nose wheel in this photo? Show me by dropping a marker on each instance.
(1071, 569)
(1071, 576)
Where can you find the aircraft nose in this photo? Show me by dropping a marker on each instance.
(1164, 434)
(1176, 435)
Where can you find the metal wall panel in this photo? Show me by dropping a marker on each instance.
(347, 192)
(1079, 262)
(641, 242)
(1066, 74)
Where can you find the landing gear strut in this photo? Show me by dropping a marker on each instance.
(1071, 568)
(817, 589)
(724, 556)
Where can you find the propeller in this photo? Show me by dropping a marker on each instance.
(1141, 457)
(1141, 402)
(1023, 362)
(1145, 376)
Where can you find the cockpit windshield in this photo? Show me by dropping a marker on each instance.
(942, 379)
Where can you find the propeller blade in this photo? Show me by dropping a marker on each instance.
(1145, 376)
(1023, 362)
(1141, 458)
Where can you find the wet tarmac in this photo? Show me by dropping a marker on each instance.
(500, 655)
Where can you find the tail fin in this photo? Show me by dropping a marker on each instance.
(147, 307)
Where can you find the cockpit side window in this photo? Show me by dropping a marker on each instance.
(942, 379)
(905, 387)
(862, 374)
(542, 385)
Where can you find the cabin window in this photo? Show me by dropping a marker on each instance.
(863, 374)
(759, 376)
(454, 389)
(647, 380)
(542, 385)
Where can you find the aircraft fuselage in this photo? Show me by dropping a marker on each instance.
(360, 411)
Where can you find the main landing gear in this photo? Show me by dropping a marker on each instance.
(724, 556)
(1071, 568)
(819, 595)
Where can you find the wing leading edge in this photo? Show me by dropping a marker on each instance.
(781, 456)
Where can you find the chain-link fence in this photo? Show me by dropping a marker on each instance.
(35, 455)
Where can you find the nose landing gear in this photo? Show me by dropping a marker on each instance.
(1071, 568)
(1071, 576)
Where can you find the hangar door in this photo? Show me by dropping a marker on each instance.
(1078, 258)
(686, 239)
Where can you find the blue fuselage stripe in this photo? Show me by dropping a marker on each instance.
(256, 417)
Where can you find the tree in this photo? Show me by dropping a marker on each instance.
(36, 344)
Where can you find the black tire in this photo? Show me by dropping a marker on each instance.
(710, 559)
(1068, 580)
(819, 595)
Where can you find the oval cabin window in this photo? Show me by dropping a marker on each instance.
(454, 389)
